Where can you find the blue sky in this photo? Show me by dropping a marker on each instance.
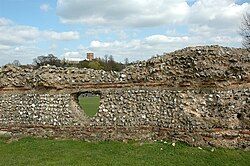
(133, 29)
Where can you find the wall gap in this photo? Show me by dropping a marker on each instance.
(89, 102)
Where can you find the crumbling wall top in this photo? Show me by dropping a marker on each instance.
(192, 66)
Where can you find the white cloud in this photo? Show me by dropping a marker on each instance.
(53, 46)
(21, 42)
(204, 21)
(165, 39)
(73, 56)
(97, 31)
(98, 44)
(71, 35)
(226, 39)
(224, 14)
(5, 21)
(25, 54)
(12, 34)
(135, 13)
(151, 13)
(4, 47)
(120, 33)
(45, 7)
(138, 49)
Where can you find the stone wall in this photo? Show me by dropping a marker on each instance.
(39, 108)
(198, 95)
(180, 109)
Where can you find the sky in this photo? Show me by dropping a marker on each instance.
(133, 29)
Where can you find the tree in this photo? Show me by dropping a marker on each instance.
(16, 63)
(83, 64)
(47, 60)
(95, 65)
(110, 63)
(111, 59)
(245, 31)
(106, 58)
(126, 61)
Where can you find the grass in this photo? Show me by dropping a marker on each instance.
(90, 105)
(31, 151)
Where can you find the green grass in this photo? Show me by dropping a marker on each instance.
(90, 105)
(30, 151)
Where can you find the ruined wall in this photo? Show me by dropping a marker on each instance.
(39, 108)
(192, 66)
(180, 99)
(183, 109)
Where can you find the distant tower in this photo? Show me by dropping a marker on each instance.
(90, 56)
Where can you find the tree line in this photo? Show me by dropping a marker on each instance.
(107, 63)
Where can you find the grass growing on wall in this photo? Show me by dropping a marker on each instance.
(30, 151)
(90, 104)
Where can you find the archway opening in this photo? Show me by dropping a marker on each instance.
(89, 102)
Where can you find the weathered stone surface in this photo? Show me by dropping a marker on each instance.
(192, 66)
(199, 95)
(5, 134)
